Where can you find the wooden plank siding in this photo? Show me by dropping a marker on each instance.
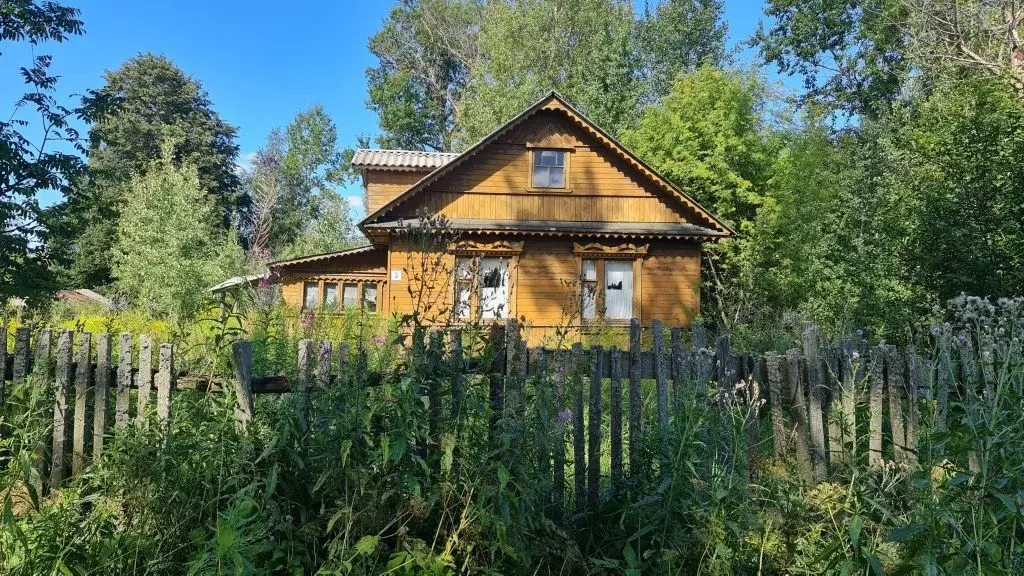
(383, 186)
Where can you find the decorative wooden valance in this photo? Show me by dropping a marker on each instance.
(597, 250)
(382, 278)
(497, 247)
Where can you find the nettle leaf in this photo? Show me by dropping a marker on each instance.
(856, 524)
(904, 533)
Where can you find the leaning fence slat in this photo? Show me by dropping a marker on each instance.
(21, 354)
(814, 383)
(579, 455)
(661, 384)
(799, 411)
(101, 393)
(165, 386)
(124, 380)
(497, 392)
(241, 352)
(62, 386)
(895, 387)
(615, 419)
(82, 373)
(635, 411)
(773, 365)
(594, 429)
(41, 371)
(875, 406)
(145, 377)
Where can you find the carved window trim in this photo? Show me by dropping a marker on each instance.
(492, 248)
(596, 250)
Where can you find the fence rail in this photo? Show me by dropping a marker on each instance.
(807, 396)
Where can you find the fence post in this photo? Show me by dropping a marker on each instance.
(145, 378)
(41, 365)
(615, 418)
(848, 374)
(21, 353)
(594, 424)
(101, 393)
(814, 383)
(61, 385)
(635, 408)
(41, 371)
(579, 453)
(773, 365)
(124, 380)
(799, 410)
(302, 388)
(165, 386)
(241, 352)
(82, 373)
(875, 406)
(895, 387)
(725, 367)
(435, 353)
(661, 385)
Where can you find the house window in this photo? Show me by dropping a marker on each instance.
(350, 295)
(615, 289)
(370, 297)
(483, 283)
(310, 294)
(549, 168)
(588, 294)
(330, 294)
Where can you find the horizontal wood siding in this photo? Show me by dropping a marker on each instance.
(425, 284)
(671, 283)
(383, 186)
(546, 270)
(495, 183)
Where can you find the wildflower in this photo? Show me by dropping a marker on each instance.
(288, 518)
(936, 329)
(855, 355)
(378, 340)
(564, 416)
(306, 320)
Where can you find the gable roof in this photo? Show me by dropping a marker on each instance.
(278, 264)
(401, 159)
(555, 102)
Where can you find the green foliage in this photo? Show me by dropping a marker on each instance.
(146, 101)
(27, 164)
(294, 209)
(169, 248)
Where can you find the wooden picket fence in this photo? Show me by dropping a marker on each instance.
(807, 394)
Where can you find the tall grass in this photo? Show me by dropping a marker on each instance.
(371, 489)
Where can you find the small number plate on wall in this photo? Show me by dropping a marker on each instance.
(396, 275)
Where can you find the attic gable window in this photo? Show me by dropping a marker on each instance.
(548, 168)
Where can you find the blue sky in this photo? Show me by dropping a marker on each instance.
(260, 61)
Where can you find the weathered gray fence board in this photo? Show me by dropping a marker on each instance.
(62, 386)
(101, 392)
(124, 380)
(82, 381)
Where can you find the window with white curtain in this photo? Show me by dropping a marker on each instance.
(330, 294)
(350, 295)
(618, 289)
(310, 294)
(463, 288)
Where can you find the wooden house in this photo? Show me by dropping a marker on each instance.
(547, 219)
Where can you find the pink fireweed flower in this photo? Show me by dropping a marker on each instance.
(378, 340)
(306, 320)
(564, 416)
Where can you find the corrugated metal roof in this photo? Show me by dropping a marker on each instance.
(317, 257)
(401, 159)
